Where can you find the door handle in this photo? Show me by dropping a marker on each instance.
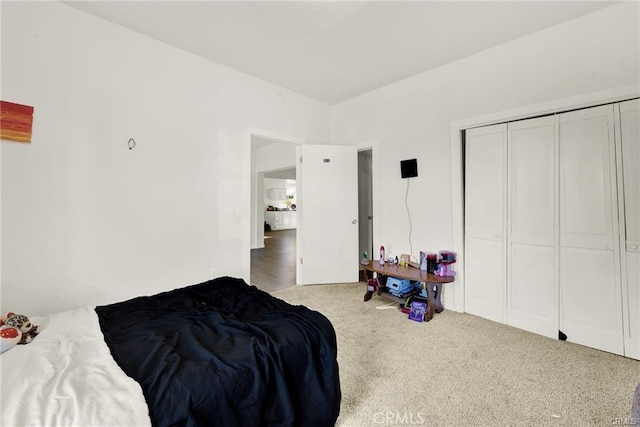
(498, 236)
(354, 221)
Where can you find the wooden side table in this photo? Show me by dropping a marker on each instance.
(429, 280)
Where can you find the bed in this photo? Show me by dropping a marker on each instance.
(216, 353)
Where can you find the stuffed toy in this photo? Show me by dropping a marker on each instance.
(28, 330)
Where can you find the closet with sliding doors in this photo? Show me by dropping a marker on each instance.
(552, 225)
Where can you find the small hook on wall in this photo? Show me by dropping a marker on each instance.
(131, 143)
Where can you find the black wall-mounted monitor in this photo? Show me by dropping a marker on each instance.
(409, 168)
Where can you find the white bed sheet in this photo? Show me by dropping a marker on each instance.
(67, 377)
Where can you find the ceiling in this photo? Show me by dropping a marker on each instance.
(334, 50)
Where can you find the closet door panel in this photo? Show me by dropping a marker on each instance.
(591, 294)
(589, 299)
(532, 294)
(484, 295)
(630, 147)
(532, 177)
(532, 279)
(630, 131)
(485, 193)
(485, 180)
(632, 344)
(586, 218)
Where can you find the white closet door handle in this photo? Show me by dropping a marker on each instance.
(498, 236)
(633, 247)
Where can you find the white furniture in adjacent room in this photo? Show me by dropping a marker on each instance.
(278, 194)
(281, 220)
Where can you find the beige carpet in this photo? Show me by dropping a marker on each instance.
(462, 370)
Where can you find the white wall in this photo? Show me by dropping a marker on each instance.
(412, 118)
(276, 156)
(87, 221)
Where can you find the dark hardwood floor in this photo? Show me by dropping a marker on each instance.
(274, 266)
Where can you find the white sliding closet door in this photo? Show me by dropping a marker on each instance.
(532, 238)
(485, 222)
(630, 144)
(591, 308)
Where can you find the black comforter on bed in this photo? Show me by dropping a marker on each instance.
(223, 353)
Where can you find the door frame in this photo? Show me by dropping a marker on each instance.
(456, 135)
(367, 221)
(252, 186)
(372, 145)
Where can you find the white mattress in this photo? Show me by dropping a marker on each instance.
(67, 377)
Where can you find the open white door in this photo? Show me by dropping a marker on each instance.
(327, 196)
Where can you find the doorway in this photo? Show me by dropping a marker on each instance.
(269, 154)
(273, 246)
(365, 202)
(273, 266)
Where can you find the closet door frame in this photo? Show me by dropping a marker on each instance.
(456, 143)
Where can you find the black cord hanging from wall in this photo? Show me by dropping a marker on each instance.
(409, 169)
(131, 143)
(406, 204)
